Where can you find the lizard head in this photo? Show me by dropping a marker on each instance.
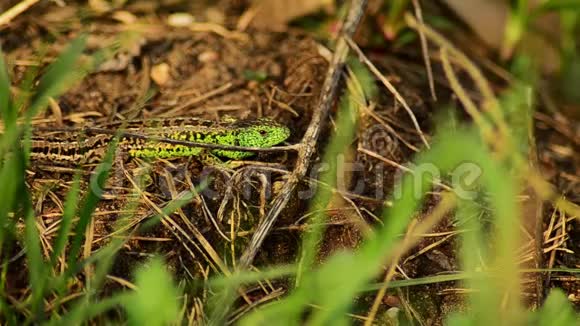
(262, 132)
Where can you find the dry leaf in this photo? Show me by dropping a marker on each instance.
(124, 17)
(160, 74)
(488, 19)
(180, 19)
(100, 6)
(276, 14)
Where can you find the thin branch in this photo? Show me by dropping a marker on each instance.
(18, 8)
(309, 141)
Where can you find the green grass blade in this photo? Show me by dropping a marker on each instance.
(421, 281)
(11, 176)
(53, 83)
(10, 179)
(89, 204)
(550, 5)
(57, 76)
(238, 279)
(155, 302)
(36, 265)
(6, 109)
(70, 208)
(10, 191)
(557, 311)
(86, 310)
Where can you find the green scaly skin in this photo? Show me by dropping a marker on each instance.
(261, 133)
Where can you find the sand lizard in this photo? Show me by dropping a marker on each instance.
(65, 147)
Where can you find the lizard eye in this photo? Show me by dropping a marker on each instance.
(263, 132)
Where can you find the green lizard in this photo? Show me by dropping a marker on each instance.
(72, 148)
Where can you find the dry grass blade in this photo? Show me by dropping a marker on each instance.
(490, 101)
(413, 236)
(19, 8)
(425, 49)
(389, 86)
(209, 252)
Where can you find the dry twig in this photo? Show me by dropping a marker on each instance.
(19, 8)
(309, 141)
